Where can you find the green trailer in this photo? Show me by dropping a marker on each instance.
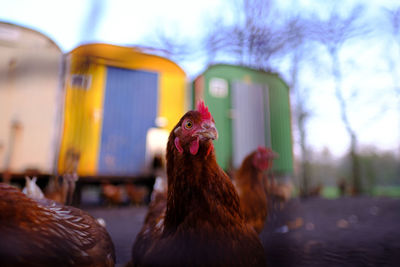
(250, 108)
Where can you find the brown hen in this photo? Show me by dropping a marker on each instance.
(113, 194)
(248, 181)
(202, 224)
(46, 233)
(153, 220)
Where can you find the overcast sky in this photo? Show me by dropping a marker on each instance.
(127, 22)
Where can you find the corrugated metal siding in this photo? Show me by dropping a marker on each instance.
(281, 136)
(30, 64)
(267, 116)
(249, 118)
(82, 118)
(277, 117)
(172, 80)
(130, 109)
(220, 108)
(172, 98)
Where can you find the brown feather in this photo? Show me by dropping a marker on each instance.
(202, 224)
(47, 233)
(250, 187)
(152, 227)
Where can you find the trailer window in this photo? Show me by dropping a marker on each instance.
(218, 88)
(80, 81)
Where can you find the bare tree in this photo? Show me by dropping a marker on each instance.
(257, 35)
(393, 17)
(333, 33)
(302, 114)
(299, 54)
(92, 19)
(253, 39)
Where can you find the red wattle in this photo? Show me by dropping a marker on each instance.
(178, 145)
(194, 146)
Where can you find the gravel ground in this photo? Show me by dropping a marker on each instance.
(358, 231)
(123, 224)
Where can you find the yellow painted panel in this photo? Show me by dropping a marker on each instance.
(82, 121)
(172, 83)
(171, 98)
(84, 108)
(127, 57)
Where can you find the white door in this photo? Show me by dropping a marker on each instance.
(250, 119)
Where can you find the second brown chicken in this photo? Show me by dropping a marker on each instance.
(248, 181)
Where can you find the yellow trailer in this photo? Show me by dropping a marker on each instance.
(114, 96)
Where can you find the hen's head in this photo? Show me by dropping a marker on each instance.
(195, 129)
(263, 157)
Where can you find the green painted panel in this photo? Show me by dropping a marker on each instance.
(220, 108)
(280, 122)
(218, 99)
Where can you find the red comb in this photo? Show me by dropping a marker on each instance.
(262, 149)
(205, 114)
(268, 151)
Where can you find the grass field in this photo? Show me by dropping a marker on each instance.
(387, 191)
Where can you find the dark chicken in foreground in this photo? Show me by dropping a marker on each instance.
(46, 233)
(202, 224)
(153, 220)
(249, 183)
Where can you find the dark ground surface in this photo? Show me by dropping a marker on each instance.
(123, 224)
(358, 231)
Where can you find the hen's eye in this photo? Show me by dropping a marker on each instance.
(188, 124)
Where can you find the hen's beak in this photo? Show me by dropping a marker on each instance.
(208, 131)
